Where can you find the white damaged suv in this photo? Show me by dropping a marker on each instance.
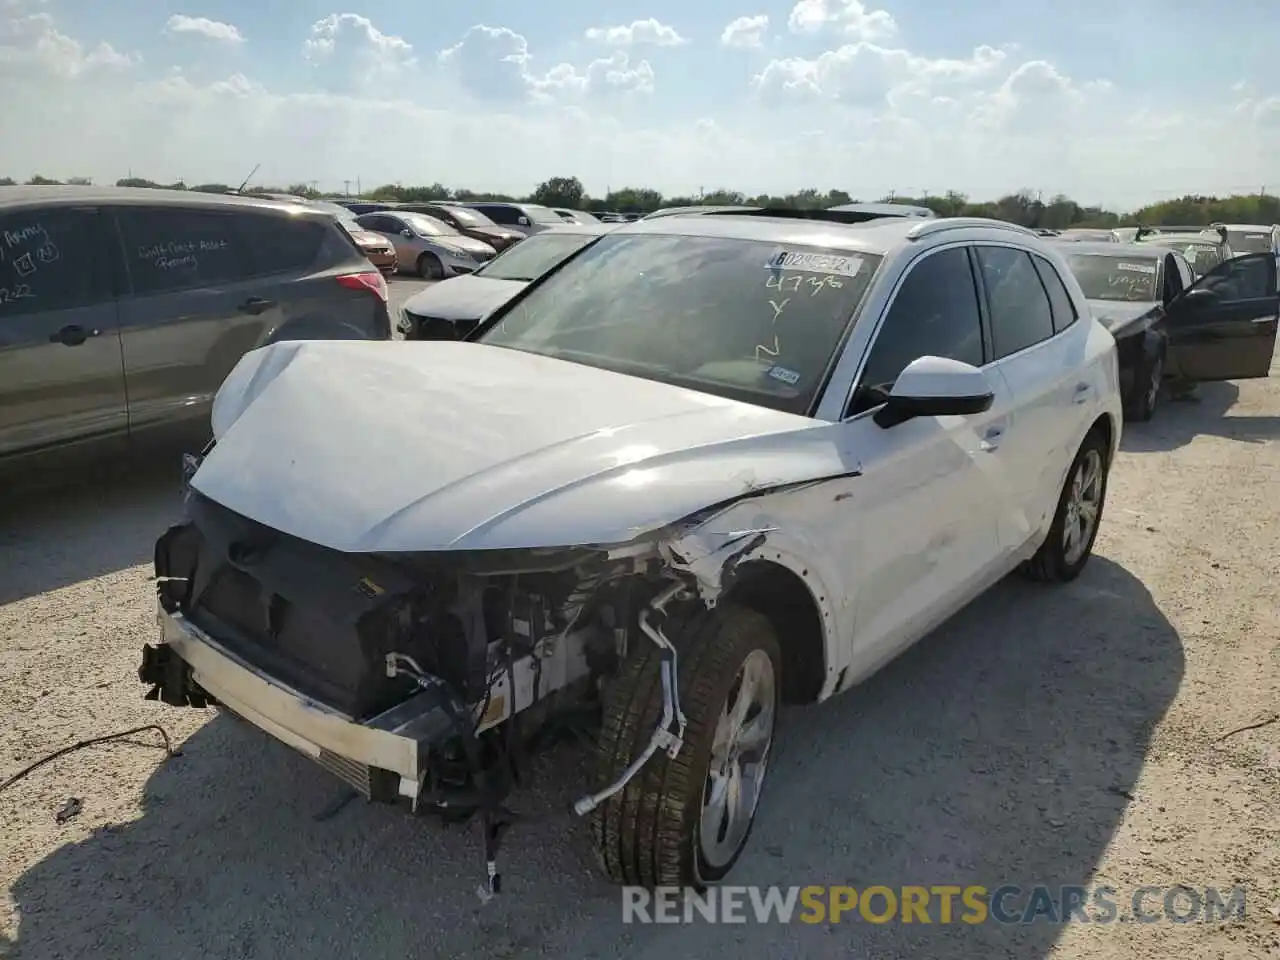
(710, 465)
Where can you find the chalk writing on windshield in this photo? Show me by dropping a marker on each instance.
(810, 285)
(178, 254)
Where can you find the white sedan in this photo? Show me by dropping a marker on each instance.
(711, 465)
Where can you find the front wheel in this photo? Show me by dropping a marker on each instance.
(684, 821)
(430, 267)
(1069, 544)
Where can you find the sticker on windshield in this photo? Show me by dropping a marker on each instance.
(1137, 268)
(815, 263)
(789, 377)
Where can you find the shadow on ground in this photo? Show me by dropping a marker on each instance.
(1176, 423)
(75, 521)
(1000, 750)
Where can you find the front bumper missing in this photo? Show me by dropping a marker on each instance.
(383, 758)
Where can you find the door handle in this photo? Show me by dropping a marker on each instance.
(256, 305)
(73, 335)
(1082, 392)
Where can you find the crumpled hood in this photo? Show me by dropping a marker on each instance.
(1120, 318)
(367, 446)
(462, 298)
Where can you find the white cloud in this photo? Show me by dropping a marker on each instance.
(377, 49)
(868, 76)
(639, 32)
(31, 41)
(745, 32)
(850, 17)
(204, 27)
(495, 65)
(866, 118)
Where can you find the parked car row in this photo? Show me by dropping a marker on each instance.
(555, 524)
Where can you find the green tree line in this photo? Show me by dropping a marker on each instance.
(1024, 207)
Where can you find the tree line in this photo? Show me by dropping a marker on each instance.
(1023, 207)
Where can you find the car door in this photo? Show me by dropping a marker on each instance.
(1224, 326)
(61, 377)
(930, 489)
(193, 304)
(1042, 369)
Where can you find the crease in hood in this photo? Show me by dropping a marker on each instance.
(463, 298)
(395, 447)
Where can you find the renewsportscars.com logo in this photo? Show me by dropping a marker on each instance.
(939, 904)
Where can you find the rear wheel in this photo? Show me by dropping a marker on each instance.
(1147, 393)
(684, 821)
(430, 267)
(1069, 544)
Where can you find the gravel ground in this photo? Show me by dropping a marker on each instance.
(1059, 736)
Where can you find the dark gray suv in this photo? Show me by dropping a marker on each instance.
(122, 310)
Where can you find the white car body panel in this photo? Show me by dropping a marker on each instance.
(462, 298)
(440, 446)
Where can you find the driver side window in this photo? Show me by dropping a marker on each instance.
(934, 313)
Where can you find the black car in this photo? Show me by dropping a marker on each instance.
(1169, 326)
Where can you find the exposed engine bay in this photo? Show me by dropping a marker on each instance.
(501, 646)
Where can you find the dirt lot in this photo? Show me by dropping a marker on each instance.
(1059, 736)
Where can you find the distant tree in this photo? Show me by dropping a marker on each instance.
(211, 188)
(302, 190)
(8, 182)
(39, 181)
(136, 182)
(559, 192)
(80, 181)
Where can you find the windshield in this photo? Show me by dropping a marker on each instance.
(428, 226)
(1202, 257)
(470, 217)
(531, 258)
(334, 210)
(1131, 279)
(743, 319)
(1249, 241)
(541, 214)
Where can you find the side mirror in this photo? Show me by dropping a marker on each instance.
(524, 221)
(406, 232)
(936, 387)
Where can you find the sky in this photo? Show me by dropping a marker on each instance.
(1122, 102)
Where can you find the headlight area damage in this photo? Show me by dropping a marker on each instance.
(424, 678)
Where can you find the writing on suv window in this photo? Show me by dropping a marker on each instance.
(1129, 279)
(743, 319)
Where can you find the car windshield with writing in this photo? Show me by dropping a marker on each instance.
(426, 226)
(742, 319)
(1250, 241)
(530, 259)
(1129, 278)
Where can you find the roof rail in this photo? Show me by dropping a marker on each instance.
(830, 215)
(927, 228)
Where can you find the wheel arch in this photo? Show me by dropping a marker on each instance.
(801, 618)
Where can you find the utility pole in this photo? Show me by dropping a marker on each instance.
(346, 189)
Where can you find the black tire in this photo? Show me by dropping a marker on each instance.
(649, 833)
(1054, 562)
(430, 267)
(1147, 391)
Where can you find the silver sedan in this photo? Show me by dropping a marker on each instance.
(427, 246)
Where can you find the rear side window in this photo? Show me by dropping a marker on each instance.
(507, 215)
(1064, 311)
(176, 249)
(1020, 313)
(279, 244)
(51, 260)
